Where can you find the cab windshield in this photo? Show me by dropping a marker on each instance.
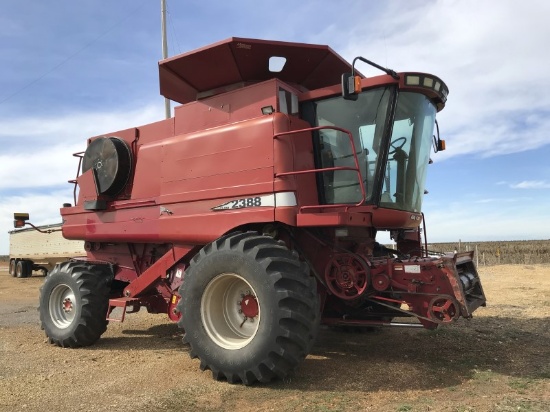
(393, 167)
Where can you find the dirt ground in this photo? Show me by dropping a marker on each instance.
(499, 361)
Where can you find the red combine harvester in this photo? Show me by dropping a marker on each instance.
(250, 217)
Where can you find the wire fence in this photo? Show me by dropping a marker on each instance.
(526, 252)
(522, 252)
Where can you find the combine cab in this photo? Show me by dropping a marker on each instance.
(251, 216)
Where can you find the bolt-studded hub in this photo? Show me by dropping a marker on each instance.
(249, 306)
(67, 305)
(230, 311)
(62, 306)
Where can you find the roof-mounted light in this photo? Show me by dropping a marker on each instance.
(411, 80)
(268, 110)
(429, 82)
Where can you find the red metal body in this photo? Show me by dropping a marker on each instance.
(238, 156)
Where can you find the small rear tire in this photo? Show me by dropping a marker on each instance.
(73, 303)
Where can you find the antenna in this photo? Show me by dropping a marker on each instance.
(167, 109)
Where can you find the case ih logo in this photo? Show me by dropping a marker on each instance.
(243, 46)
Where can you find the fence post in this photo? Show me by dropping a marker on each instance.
(477, 258)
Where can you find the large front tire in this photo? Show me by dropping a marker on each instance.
(249, 308)
(73, 303)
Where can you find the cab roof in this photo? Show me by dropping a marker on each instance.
(184, 78)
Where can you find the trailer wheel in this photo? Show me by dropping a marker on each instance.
(73, 304)
(22, 269)
(13, 262)
(249, 308)
(28, 270)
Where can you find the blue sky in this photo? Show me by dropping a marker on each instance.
(70, 70)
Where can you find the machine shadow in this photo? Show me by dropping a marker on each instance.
(165, 336)
(392, 358)
(416, 359)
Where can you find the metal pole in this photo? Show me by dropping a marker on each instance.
(167, 109)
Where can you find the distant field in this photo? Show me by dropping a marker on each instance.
(514, 252)
(526, 252)
(520, 252)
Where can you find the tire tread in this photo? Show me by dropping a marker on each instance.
(296, 308)
(93, 286)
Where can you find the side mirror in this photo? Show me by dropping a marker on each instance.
(351, 86)
(439, 145)
(20, 219)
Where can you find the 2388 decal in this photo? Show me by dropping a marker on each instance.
(240, 203)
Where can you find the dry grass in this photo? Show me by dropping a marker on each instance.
(498, 361)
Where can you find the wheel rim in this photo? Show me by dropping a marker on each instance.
(230, 311)
(62, 306)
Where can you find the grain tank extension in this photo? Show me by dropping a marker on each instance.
(251, 216)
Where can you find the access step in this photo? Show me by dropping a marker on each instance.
(123, 303)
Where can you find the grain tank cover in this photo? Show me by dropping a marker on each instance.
(238, 61)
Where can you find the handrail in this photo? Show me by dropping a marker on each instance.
(80, 156)
(328, 169)
(425, 236)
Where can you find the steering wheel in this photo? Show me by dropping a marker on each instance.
(397, 144)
